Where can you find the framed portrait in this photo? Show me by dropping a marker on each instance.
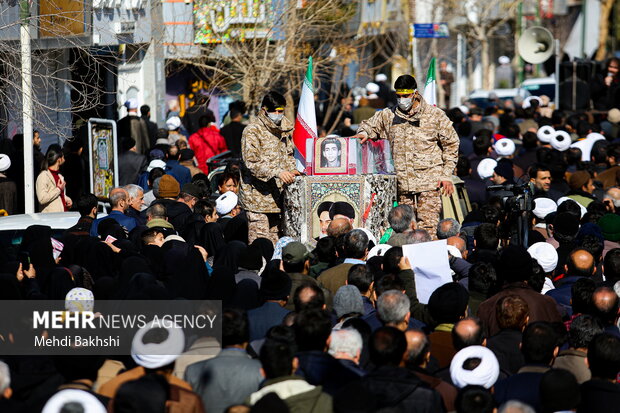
(103, 148)
(331, 156)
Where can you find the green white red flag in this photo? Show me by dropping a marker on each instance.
(430, 87)
(305, 123)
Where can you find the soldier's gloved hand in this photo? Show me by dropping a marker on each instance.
(446, 186)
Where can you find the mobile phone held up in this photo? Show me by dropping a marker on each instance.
(24, 259)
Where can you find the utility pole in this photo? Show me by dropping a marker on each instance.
(26, 73)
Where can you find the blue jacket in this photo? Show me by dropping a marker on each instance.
(128, 222)
(179, 172)
(321, 369)
(523, 386)
(261, 319)
(562, 293)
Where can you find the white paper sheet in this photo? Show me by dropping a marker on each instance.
(430, 265)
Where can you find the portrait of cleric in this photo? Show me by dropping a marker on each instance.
(333, 155)
(327, 211)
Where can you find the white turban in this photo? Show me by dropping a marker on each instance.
(545, 254)
(5, 162)
(79, 299)
(173, 123)
(543, 207)
(131, 103)
(173, 237)
(372, 88)
(617, 290)
(89, 402)
(561, 141)
(486, 167)
(527, 102)
(464, 109)
(504, 147)
(381, 77)
(370, 236)
(586, 145)
(581, 207)
(226, 202)
(485, 374)
(545, 133)
(504, 60)
(378, 250)
(152, 355)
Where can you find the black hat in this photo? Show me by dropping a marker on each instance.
(275, 285)
(191, 189)
(251, 258)
(504, 168)
(186, 154)
(515, 263)
(128, 143)
(566, 224)
(342, 208)
(447, 304)
(323, 206)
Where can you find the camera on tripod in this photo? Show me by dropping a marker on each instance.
(517, 207)
(521, 199)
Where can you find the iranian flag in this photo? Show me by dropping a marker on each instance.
(305, 124)
(430, 87)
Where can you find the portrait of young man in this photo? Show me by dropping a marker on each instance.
(331, 156)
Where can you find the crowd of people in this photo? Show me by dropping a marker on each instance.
(337, 325)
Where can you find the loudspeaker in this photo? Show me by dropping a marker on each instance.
(536, 45)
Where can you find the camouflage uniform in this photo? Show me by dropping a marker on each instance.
(425, 150)
(267, 150)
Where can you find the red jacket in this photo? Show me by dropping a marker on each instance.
(206, 143)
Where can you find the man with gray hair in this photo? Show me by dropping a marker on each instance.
(612, 199)
(156, 216)
(5, 386)
(393, 309)
(136, 202)
(355, 252)
(447, 228)
(119, 200)
(345, 345)
(418, 236)
(402, 220)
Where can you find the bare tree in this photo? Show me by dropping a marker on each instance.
(606, 8)
(65, 69)
(274, 54)
(479, 21)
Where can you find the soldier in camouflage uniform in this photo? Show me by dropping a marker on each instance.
(424, 147)
(267, 151)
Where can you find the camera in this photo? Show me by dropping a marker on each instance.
(521, 199)
(517, 207)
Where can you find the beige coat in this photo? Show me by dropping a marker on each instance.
(48, 193)
(267, 150)
(424, 145)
